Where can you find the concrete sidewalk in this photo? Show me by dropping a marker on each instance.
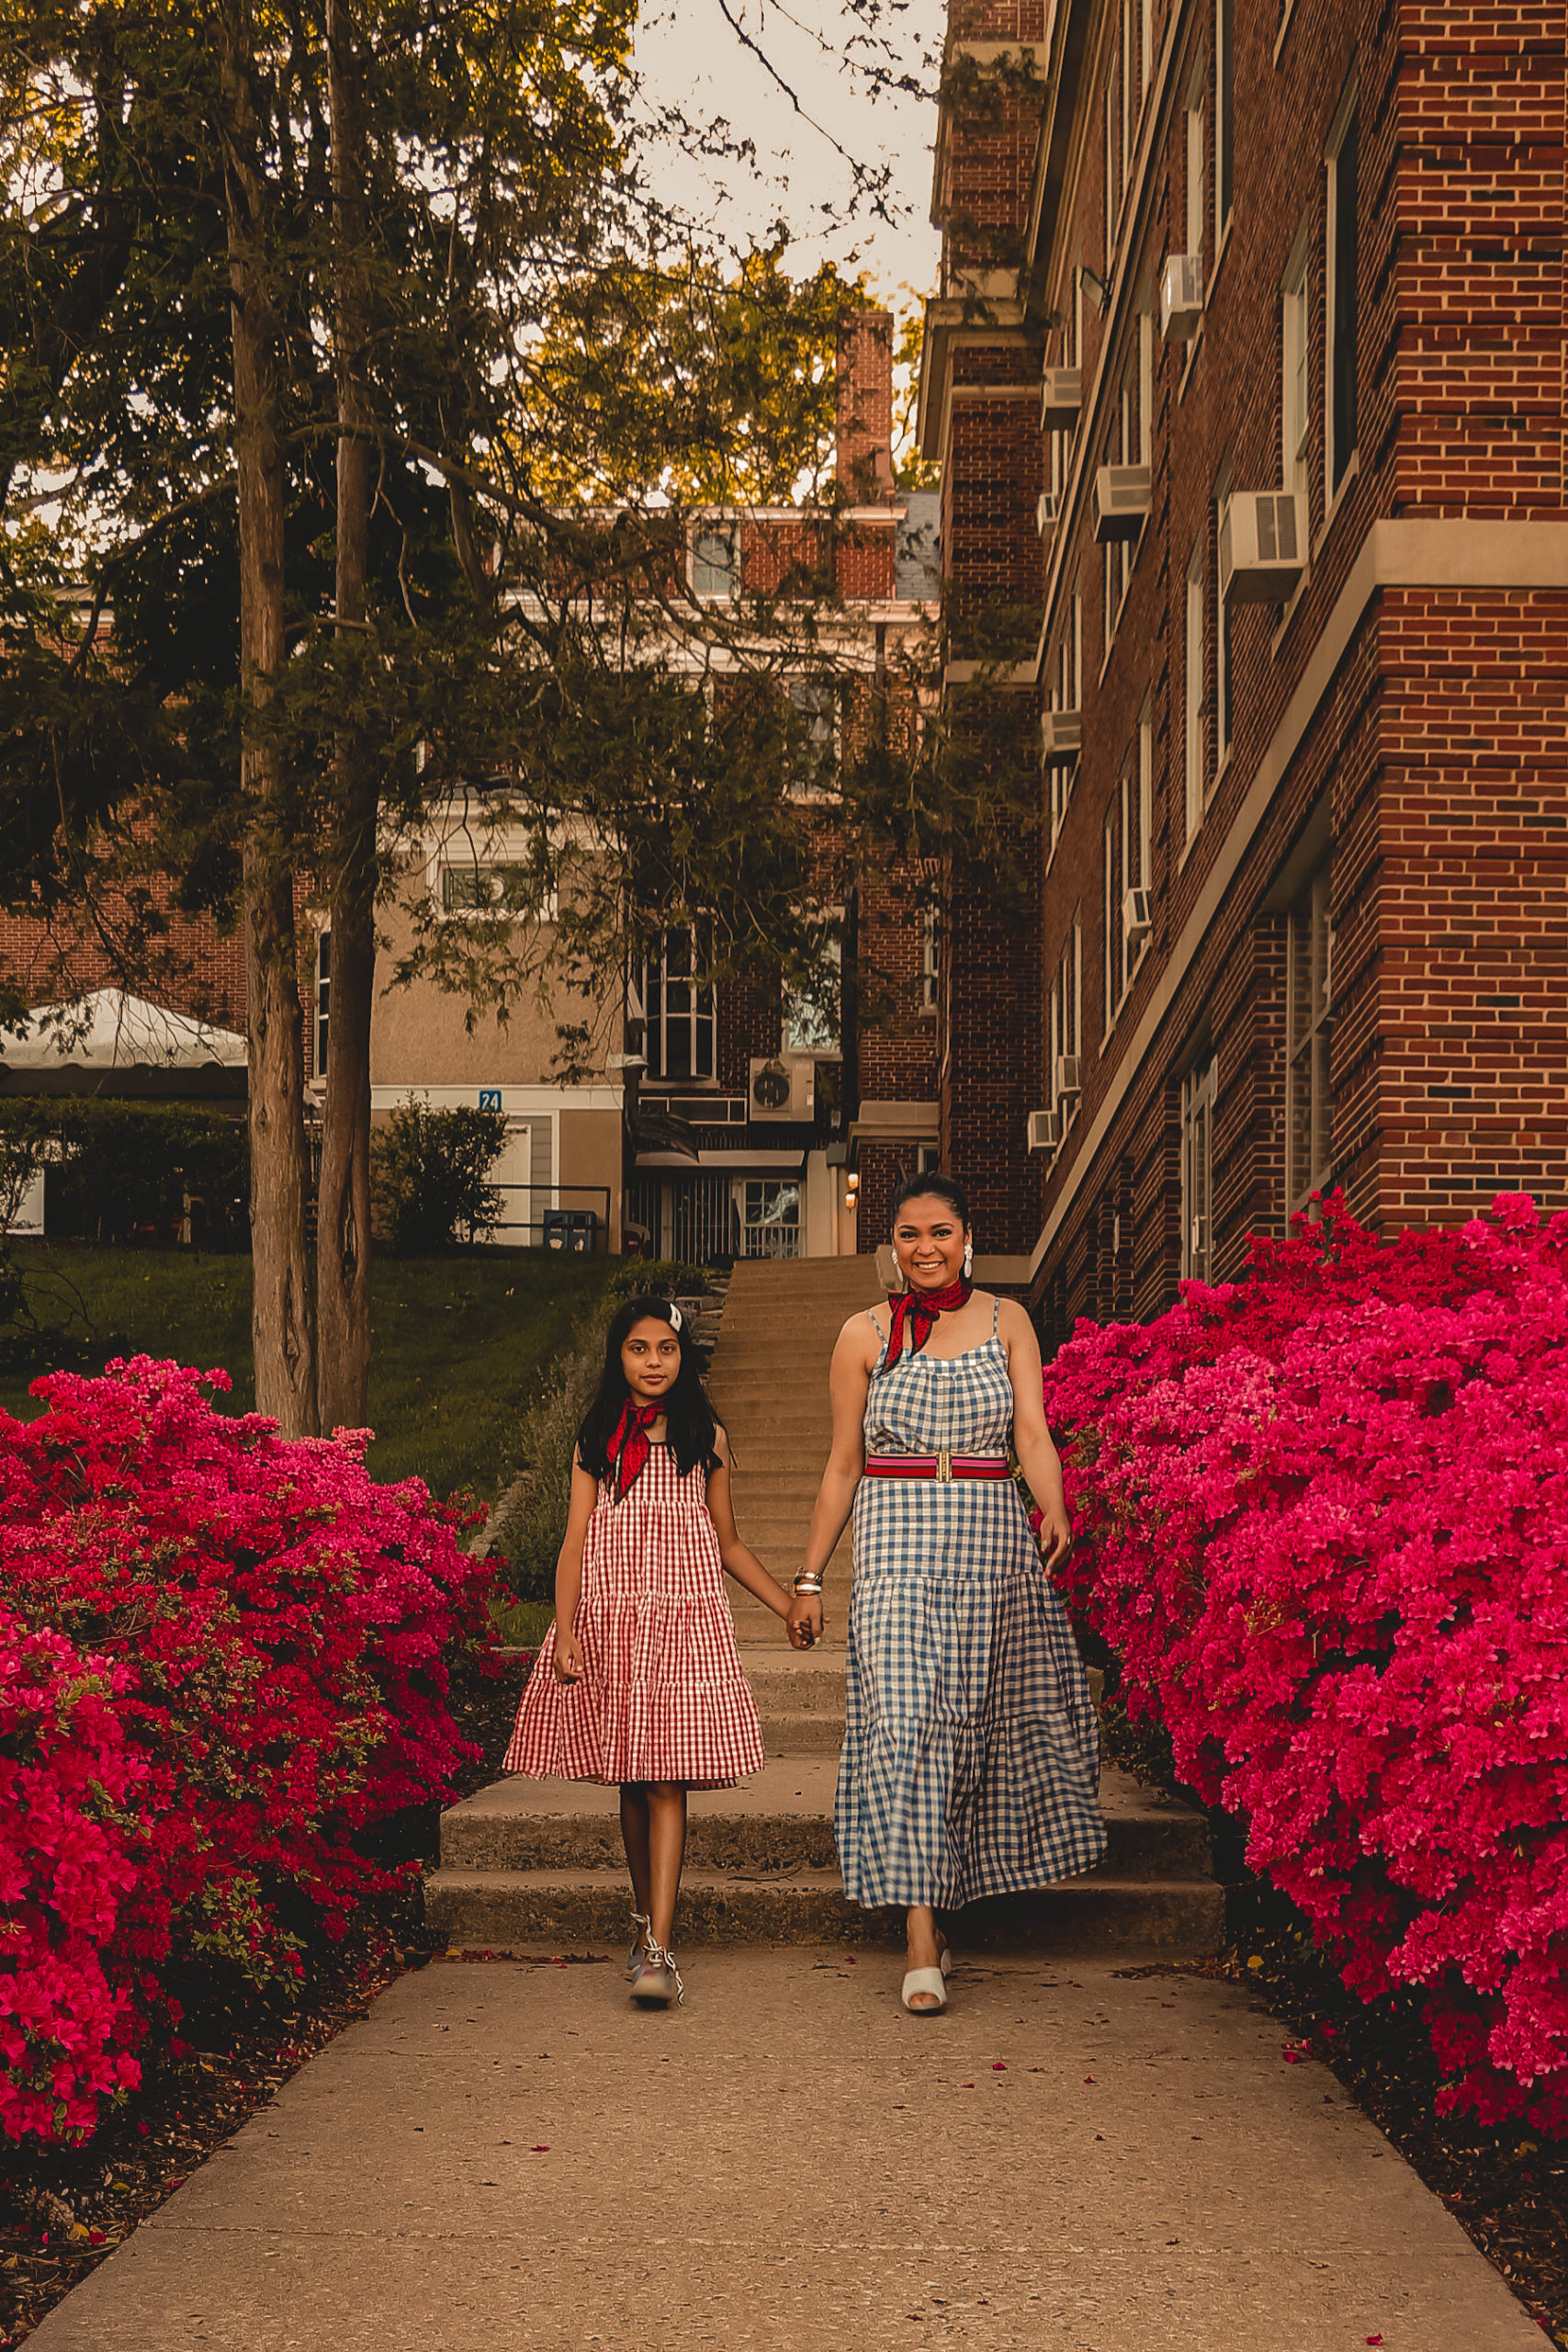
(510, 2154)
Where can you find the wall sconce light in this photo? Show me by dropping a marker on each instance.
(1099, 293)
(853, 1180)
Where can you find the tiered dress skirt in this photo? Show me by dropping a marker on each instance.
(663, 1695)
(971, 1761)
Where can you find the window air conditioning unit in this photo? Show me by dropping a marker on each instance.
(781, 1090)
(1061, 737)
(1069, 1078)
(1061, 398)
(1044, 1130)
(1046, 509)
(1263, 537)
(1121, 501)
(1138, 913)
(1180, 297)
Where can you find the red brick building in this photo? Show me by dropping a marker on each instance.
(1246, 378)
(750, 1114)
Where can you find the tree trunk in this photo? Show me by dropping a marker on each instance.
(342, 1225)
(281, 1321)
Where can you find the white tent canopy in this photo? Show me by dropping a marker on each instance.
(110, 1029)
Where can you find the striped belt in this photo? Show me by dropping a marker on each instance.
(942, 1467)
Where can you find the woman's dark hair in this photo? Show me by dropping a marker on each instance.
(933, 1186)
(689, 1425)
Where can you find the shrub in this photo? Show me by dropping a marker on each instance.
(220, 1667)
(1323, 1517)
(122, 1168)
(531, 1519)
(660, 1277)
(429, 1172)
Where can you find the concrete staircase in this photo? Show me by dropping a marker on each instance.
(538, 1865)
(768, 1379)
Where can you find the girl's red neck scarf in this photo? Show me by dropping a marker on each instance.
(628, 1449)
(914, 1314)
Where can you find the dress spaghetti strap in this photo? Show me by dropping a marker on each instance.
(996, 1315)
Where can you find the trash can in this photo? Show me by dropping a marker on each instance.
(570, 1229)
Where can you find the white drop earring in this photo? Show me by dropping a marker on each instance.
(969, 1260)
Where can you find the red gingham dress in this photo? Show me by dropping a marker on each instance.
(663, 1695)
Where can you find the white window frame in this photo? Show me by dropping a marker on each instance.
(1066, 695)
(1114, 176)
(700, 1016)
(805, 1027)
(1194, 688)
(320, 1011)
(1197, 161)
(1199, 1092)
(930, 959)
(1067, 1009)
(1127, 850)
(728, 572)
(820, 703)
(1337, 462)
(1296, 368)
(1309, 1095)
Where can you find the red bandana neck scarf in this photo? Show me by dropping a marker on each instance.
(628, 1448)
(914, 1314)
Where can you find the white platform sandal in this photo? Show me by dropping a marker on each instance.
(928, 1980)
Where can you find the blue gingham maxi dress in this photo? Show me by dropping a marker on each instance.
(971, 1762)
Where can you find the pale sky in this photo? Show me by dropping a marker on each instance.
(692, 56)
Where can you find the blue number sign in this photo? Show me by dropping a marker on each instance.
(489, 1098)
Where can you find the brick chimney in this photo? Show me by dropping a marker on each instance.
(862, 461)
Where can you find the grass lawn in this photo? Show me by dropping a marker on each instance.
(461, 1344)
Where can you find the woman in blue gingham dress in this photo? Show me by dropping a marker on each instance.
(970, 1758)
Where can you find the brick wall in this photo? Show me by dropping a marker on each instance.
(1416, 734)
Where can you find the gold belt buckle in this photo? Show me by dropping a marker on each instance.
(944, 1469)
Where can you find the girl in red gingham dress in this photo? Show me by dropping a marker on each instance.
(638, 1679)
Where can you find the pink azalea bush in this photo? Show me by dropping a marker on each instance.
(222, 1662)
(1323, 1520)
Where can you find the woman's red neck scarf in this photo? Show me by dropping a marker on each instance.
(914, 1314)
(628, 1448)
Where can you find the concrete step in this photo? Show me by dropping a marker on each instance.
(779, 1820)
(551, 1910)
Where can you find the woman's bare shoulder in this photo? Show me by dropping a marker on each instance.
(862, 1333)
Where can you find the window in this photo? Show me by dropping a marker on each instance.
(324, 997)
(1128, 446)
(1113, 171)
(1225, 116)
(1197, 572)
(484, 886)
(1198, 1091)
(1295, 411)
(1340, 321)
(769, 1217)
(1067, 1006)
(715, 568)
(1224, 698)
(1127, 847)
(1195, 147)
(1066, 692)
(813, 1012)
(1129, 829)
(816, 702)
(676, 1012)
(1309, 1009)
(930, 959)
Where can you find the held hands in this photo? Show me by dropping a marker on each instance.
(805, 1621)
(1053, 1535)
(568, 1658)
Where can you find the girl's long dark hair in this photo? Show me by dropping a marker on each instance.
(939, 1187)
(689, 1427)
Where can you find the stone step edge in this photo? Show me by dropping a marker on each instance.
(809, 1906)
